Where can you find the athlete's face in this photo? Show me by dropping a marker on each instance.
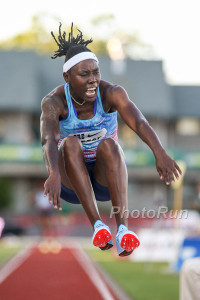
(84, 79)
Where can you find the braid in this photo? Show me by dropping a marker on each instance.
(73, 42)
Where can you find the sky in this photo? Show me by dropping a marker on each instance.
(172, 27)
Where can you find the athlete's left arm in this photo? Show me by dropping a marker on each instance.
(132, 116)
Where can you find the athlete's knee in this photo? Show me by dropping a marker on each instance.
(72, 145)
(109, 147)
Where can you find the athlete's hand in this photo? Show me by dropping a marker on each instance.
(52, 187)
(167, 167)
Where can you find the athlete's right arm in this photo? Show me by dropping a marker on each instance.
(49, 127)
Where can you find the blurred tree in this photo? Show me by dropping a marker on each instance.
(39, 39)
(104, 27)
(35, 38)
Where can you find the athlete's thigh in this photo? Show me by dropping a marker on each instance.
(101, 163)
(100, 171)
(61, 163)
(64, 178)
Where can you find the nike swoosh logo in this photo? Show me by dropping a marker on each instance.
(99, 122)
(89, 135)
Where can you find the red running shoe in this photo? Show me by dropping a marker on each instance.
(102, 236)
(126, 241)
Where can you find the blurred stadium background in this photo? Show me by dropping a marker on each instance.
(172, 110)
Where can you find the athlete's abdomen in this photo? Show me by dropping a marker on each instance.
(92, 134)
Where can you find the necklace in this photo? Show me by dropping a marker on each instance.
(77, 101)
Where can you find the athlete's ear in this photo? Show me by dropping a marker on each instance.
(66, 76)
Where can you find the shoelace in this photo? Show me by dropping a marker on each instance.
(99, 225)
(120, 231)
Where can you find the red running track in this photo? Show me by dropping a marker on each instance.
(54, 277)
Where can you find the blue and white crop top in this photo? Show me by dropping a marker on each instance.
(90, 132)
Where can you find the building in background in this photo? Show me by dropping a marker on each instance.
(173, 111)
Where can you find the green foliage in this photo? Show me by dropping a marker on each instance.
(35, 38)
(99, 47)
(39, 39)
(5, 192)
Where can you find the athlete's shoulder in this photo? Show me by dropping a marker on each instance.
(105, 86)
(57, 94)
(56, 98)
(111, 92)
(110, 88)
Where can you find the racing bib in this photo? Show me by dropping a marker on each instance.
(88, 137)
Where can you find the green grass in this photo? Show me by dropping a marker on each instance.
(6, 252)
(141, 280)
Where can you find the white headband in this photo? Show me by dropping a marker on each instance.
(78, 58)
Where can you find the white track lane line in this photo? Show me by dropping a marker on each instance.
(14, 263)
(91, 272)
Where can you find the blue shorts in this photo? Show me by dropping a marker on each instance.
(101, 192)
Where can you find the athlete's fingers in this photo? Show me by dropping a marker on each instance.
(59, 204)
(171, 177)
(54, 201)
(50, 197)
(177, 167)
(160, 174)
(166, 178)
(45, 191)
(176, 173)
